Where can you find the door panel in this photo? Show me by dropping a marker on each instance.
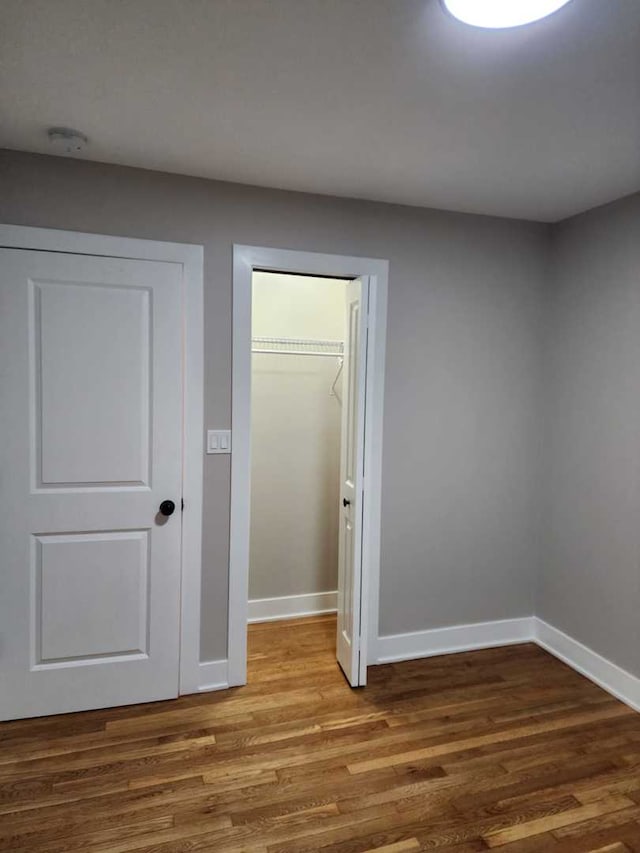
(74, 327)
(91, 403)
(107, 613)
(351, 479)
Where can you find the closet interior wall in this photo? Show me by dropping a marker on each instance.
(295, 434)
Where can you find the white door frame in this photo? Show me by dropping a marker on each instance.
(190, 257)
(246, 259)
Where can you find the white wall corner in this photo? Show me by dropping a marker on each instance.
(457, 638)
(611, 677)
(292, 606)
(213, 676)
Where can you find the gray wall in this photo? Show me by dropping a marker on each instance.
(461, 431)
(590, 578)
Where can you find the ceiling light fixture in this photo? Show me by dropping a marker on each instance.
(502, 14)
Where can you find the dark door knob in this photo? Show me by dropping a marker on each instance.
(167, 508)
(346, 502)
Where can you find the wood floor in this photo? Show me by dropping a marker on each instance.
(504, 748)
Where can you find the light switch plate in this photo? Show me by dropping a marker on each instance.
(219, 441)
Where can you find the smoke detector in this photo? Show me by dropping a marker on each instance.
(66, 140)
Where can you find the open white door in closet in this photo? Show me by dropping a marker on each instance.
(352, 482)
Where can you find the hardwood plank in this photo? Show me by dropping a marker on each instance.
(504, 748)
(482, 740)
(565, 818)
(398, 847)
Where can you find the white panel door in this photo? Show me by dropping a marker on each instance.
(351, 481)
(91, 444)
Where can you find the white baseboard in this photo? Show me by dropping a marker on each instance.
(213, 676)
(457, 638)
(612, 678)
(481, 635)
(292, 606)
(441, 641)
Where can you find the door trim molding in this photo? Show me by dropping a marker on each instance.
(190, 257)
(245, 260)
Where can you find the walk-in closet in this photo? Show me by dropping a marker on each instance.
(297, 360)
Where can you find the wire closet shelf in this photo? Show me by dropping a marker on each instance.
(297, 346)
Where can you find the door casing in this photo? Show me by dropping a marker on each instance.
(247, 259)
(191, 259)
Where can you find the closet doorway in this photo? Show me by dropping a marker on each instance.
(307, 402)
(301, 535)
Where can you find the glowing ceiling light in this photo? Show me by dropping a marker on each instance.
(500, 14)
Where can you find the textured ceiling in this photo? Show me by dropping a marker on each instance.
(391, 100)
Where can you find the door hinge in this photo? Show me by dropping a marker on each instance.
(181, 504)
